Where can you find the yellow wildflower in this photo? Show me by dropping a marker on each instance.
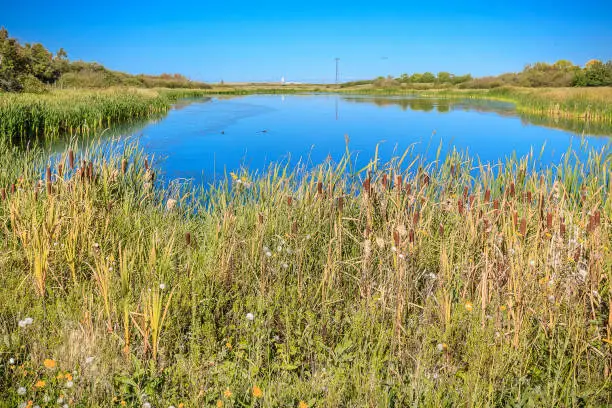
(60, 376)
(228, 345)
(468, 306)
(181, 405)
(123, 403)
(227, 393)
(40, 384)
(257, 393)
(219, 403)
(68, 376)
(502, 308)
(302, 404)
(234, 175)
(49, 363)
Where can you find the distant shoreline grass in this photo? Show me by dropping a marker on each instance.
(408, 283)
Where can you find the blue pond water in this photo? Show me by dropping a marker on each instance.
(203, 139)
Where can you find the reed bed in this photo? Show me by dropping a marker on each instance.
(448, 283)
(81, 112)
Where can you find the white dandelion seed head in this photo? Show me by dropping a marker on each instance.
(551, 298)
(308, 236)
(162, 286)
(532, 263)
(11, 361)
(279, 248)
(440, 347)
(394, 249)
(250, 316)
(28, 320)
(432, 275)
(69, 384)
(46, 398)
(22, 324)
(268, 254)
(285, 265)
(21, 391)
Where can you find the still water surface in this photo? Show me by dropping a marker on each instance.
(203, 139)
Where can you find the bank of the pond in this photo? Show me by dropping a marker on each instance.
(78, 112)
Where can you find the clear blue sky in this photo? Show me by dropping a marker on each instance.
(258, 40)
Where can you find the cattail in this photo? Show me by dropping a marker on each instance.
(529, 197)
(384, 181)
(415, 218)
(13, 188)
(425, 179)
(512, 189)
(452, 170)
(577, 255)
(188, 238)
(597, 216)
(523, 229)
(294, 227)
(366, 186)
(146, 164)
(465, 193)
(441, 230)
(487, 196)
(396, 238)
(408, 188)
(398, 182)
(71, 159)
(411, 236)
(549, 220)
(471, 199)
(562, 229)
(124, 165)
(60, 169)
(289, 201)
(340, 203)
(515, 218)
(260, 218)
(460, 206)
(496, 205)
(320, 188)
(48, 175)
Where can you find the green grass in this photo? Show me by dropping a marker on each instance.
(456, 284)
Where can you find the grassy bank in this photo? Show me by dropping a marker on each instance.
(427, 286)
(79, 112)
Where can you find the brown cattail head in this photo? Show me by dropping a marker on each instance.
(562, 229)
(487, 196)
(366, 186)
(408, 188)
(320, 188)
(340, 203)
(398, 182)
(396, 238)
(523, 228)
(146, 164)
(549, 221)
(124, 165)
(425, 179)
(71, 159)
(48, 174)
(465, 193)
(49, 188)
(384, 181)
(3, 194)
(415, 218)
(496, 206)
(452, 170)
(597, 218)
(289, 201)
(60, 169)
(188, 238)
(90, 171)
(260, 218)
(460, 206)
(13, 188)
(294, 227)
(411, 236)
(471, 199)
(512, 190)
(577, 255)
(529, 197)
(515, 218)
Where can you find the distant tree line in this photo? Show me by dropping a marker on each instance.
(562, 73)
(32, 68)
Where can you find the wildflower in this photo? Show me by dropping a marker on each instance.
(40, 384)
(250, 316)
(285, 265)
(268, 254)
(68, 376)
(551, 298)
(146, 405)
(468, 306)
(279, 248)
(60, 400)
(11, 361)
(228, 345)
(69, 384)
(432, 275)
(21, 391)
(227, 393)
(302, 404)
(257, 393)
(181, 405)
(219, 402)
(49, 363)
(60, 376)
(531, 262)
(502, 308)
(123, 403)
(441, 347)
(162, 286)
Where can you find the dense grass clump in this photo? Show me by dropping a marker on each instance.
(81, 112)
(405, 284)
